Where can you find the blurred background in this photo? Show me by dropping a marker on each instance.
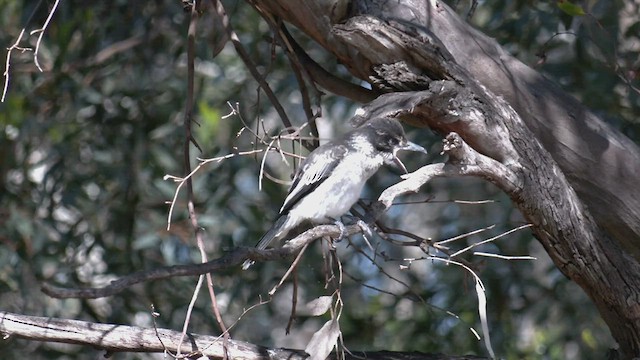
(84, 147)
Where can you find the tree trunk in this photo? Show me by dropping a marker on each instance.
(572, 176)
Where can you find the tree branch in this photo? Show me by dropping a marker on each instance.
(122, 338)
(225, 262)
(463, 161)
(602, 165)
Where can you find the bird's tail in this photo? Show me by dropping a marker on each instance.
(267, 238)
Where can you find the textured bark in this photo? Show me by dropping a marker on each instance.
(601, 164)
(572, 176)
(118, 338)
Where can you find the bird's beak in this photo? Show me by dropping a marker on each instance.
(409, 146)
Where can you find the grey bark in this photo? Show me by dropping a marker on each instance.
(576, 177)
(121, 338)
(601, 164)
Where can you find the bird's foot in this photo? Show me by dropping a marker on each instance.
(366, 232)
(366, 229)
(247, 264)
(343, 230)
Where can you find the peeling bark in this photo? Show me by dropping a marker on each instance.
(121, 338)
(601, 164)
(572, 176)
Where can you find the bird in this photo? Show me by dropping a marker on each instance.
(329, 181)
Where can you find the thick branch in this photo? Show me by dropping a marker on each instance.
(602, 165)
(328, 80)
(419, 45)
(463, 161)
(121, 338)
(580, 249)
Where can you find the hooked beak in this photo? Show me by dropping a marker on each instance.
(409, 146)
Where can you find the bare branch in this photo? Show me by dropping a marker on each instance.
(463, 161)
(16, 46)
(504, 257)
(41, 31)
(122, 338)
(233, 258)
(490, 239)
(251, 66)
(291, 269)
(462, 236)
(181, 181)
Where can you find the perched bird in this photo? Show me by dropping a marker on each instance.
(329, 181)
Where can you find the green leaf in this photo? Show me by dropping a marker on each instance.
(571, 9)
(210, 119)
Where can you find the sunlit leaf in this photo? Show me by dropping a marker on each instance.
(571, 9)
(323, 341)
(320, 305)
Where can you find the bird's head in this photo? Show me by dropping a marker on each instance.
(388, 137)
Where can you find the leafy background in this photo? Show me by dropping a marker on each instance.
(84, 147)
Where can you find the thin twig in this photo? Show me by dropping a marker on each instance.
(16, 46)
(8, 62)
(474, 202)
(262, 164)
(294, 303)
(505, 257)
(182, 181)
(189, 139)
(188, 115)
(251, 66)
(299, 70)
(482, 303)
(328, 80)
(490, 239)
(467, 234)
(192, 303)
(292, 267)
(41, 31)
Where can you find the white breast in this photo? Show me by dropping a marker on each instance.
(335, 196)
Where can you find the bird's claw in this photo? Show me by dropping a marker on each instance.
(366, 232)
(247, 264)
(366, 229)
(343, 231)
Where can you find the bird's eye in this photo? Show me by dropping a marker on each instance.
(392, 141)
(386, 143)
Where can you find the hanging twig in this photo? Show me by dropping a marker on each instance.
(251, 66)
(189, 139)
(16, 46)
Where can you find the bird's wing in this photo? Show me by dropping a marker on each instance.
(312, 172)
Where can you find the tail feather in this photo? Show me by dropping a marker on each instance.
(268, 237)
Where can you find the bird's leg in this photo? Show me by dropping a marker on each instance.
(367, 232)
(366, 229)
